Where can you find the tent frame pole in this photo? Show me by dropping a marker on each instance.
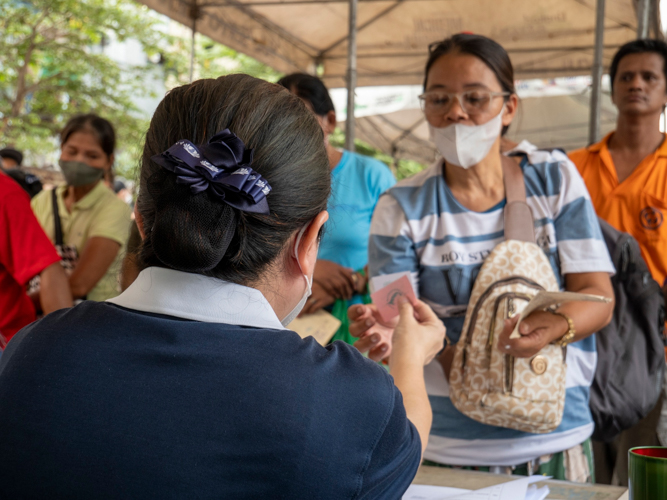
(643, 10)
(194, 14)
(596, 94)
(351, 75)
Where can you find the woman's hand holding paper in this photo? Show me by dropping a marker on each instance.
(537, 330)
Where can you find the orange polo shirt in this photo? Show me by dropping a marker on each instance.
(638, 205)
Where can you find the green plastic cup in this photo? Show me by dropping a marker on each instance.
(647, 473)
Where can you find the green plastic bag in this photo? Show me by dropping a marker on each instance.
(339, 311)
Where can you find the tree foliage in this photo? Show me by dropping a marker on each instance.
(52, 66)
(211, 61)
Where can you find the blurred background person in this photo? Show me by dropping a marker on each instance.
(122, 191)
(357, 183)
(25, 252)
(11, 158)
(29, 182)
(93, 222)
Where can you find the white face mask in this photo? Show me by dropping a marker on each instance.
(309, 285)
(467, 145)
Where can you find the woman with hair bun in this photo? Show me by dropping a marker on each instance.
(188, 385)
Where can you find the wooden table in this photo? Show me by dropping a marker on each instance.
(455, 478)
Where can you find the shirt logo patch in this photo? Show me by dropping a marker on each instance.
(651, 218)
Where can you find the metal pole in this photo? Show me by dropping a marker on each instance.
(351, 75)
(596, 93)
(643, 10)
(192, 50)
(194, 14)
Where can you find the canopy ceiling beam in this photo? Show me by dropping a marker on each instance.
(526, 50)
(268, 3)
(369, 120)
(372, 20)
(581, 70)
(408, 131)
(620, 23)
(277, 47)
(272, 27)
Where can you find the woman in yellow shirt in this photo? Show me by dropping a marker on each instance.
(92, 219)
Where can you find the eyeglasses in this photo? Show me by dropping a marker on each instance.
(472, 102)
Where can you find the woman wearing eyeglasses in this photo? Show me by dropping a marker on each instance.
(442, 223)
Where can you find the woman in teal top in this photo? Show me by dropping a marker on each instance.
(357, 183)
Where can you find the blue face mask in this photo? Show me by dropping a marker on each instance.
(309, 285)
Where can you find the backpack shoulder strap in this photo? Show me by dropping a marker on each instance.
(56, 218)
(519, 224)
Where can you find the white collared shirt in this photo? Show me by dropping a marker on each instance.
(196, 297)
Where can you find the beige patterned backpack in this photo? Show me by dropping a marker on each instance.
(527, 394)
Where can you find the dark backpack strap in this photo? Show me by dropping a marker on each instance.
(519, 223)
(56, 218)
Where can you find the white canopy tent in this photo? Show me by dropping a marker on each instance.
(545, 38)
(389, 38)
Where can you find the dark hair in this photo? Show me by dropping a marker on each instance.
(311, 89)
(90, 122)
(29, 182)
(638, 47)
(189, 232)
(12, 153)
(489, 51)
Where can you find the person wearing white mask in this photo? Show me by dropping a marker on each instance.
(442, 223)
(188, 385)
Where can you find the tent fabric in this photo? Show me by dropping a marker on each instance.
(552, 114)
(545, 38)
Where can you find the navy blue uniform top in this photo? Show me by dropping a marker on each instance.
(102, 401)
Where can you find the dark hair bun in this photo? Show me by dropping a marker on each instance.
(191, 232)
(202, 234)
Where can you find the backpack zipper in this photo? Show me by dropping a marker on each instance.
(510, 310)
(475, 312)
(487, 292)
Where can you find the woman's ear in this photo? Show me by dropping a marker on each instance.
(330, 123)
(511, 107)
(309, 243)
(140, 222)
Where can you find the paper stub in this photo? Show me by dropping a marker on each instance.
(382, 280)
(543, 300)
(320, 325)
(386, 299)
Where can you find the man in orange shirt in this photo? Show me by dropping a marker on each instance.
(626, 172)
(626, 175)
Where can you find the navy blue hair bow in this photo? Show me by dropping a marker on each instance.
(223, 165)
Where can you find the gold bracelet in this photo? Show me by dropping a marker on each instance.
(571, 332)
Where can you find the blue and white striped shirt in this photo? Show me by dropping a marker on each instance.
(419, 226)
